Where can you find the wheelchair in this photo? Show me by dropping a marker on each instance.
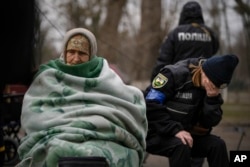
(11, 104)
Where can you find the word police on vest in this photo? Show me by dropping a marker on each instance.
(239, 158)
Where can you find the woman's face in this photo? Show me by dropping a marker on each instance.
(77, 50)
(74, 57)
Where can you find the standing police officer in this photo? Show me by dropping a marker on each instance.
(190, 39)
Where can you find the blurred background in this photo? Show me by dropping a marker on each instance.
(129, 34)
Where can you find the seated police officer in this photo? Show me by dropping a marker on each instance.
(183, 104)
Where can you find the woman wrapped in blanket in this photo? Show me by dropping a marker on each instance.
(77, 106)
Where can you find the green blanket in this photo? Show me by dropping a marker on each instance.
(90, 113)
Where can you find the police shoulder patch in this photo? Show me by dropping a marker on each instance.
(159, 81)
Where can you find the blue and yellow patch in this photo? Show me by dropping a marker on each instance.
(159, 81)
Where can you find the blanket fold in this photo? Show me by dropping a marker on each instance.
(67, 114)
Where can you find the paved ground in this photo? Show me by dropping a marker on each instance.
(237, 137)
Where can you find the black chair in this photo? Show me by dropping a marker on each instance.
(82, 162)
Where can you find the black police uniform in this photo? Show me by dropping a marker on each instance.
(190, 39)
(175, 104)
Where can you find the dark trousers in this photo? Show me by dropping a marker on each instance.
(210, 146)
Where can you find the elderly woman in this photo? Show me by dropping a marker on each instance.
(78, 107)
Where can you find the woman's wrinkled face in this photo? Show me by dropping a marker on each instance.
(74, 57)
(77, 50)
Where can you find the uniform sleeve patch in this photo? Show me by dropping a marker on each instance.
(159, 81)
(156, 95)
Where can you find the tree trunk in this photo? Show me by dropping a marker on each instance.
(149, 38)
(108, 37)
(244, 11)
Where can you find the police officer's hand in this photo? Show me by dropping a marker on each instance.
(211, 89)
(185, 137)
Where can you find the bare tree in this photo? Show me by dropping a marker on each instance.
(149, 38)
(244, 10)
(43, 50)
(81, 13)
(136, 55)
(108, 36)
(214, 12)
(228, 36)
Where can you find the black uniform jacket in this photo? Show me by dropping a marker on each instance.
(174, 103)
(190, 39)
